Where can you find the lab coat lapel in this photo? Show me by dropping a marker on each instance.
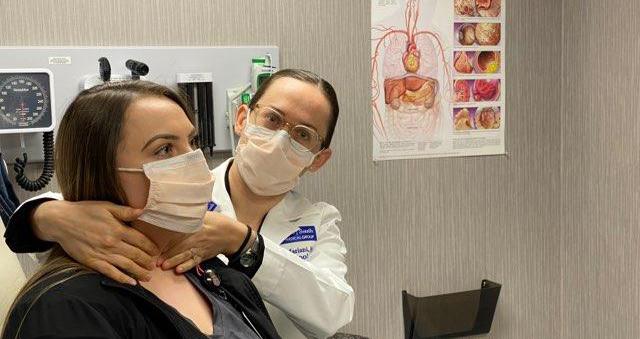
(284, 218)
(220, 194)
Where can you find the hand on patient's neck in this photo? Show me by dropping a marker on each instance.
(162, 238)
(250, 208)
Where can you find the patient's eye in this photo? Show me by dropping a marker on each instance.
(163, 150)
(195, 142)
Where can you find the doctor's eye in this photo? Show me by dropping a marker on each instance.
(272, 117)
(269, 119)
(302, 134)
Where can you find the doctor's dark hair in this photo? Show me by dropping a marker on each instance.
(310, 78)
(87, 142)
(89, 136)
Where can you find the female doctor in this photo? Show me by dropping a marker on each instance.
(285, 131)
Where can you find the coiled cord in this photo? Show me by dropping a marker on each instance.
(47, 171)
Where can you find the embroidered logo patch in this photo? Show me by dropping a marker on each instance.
(304, 233)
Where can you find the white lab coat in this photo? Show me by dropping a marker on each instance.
(302, 276)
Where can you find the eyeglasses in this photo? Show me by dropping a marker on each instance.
(306, 138)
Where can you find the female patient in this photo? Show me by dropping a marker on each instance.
(133, 143)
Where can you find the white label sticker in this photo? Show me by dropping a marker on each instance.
(59, 60)
(194, 77)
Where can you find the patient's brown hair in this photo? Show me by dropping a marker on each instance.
(89, 135)
(85, 153)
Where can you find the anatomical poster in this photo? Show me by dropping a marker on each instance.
(437, 78)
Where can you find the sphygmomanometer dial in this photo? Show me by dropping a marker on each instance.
(25, 101)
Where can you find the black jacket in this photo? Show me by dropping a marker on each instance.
(93, 306)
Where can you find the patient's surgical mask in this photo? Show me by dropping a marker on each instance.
(268, 162)
(179, 191)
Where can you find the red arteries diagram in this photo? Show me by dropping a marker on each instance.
(412, 59)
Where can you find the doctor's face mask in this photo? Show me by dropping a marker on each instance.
(269, 161)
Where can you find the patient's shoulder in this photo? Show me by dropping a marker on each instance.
(77, 303)
(89, 287)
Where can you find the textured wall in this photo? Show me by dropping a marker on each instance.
(600, 168)
(555, 221)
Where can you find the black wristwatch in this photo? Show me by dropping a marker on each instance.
(249, 257)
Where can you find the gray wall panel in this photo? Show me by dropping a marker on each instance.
(601, 163)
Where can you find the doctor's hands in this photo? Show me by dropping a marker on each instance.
(219, 235)
(102, 243)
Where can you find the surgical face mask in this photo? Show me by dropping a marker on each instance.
(268, 162)
(179, 192)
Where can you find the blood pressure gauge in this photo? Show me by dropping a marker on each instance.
(26, 101)
(26, 106)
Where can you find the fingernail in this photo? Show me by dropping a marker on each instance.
(133, 282)
(159, 261)
(179, 270)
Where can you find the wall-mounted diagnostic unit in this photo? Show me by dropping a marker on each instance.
(27, 105)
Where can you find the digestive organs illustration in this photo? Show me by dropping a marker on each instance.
(409, 104)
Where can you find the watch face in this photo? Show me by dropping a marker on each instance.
(248, 259)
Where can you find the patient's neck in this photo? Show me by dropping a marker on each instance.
(162, 238)
(172, 288)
